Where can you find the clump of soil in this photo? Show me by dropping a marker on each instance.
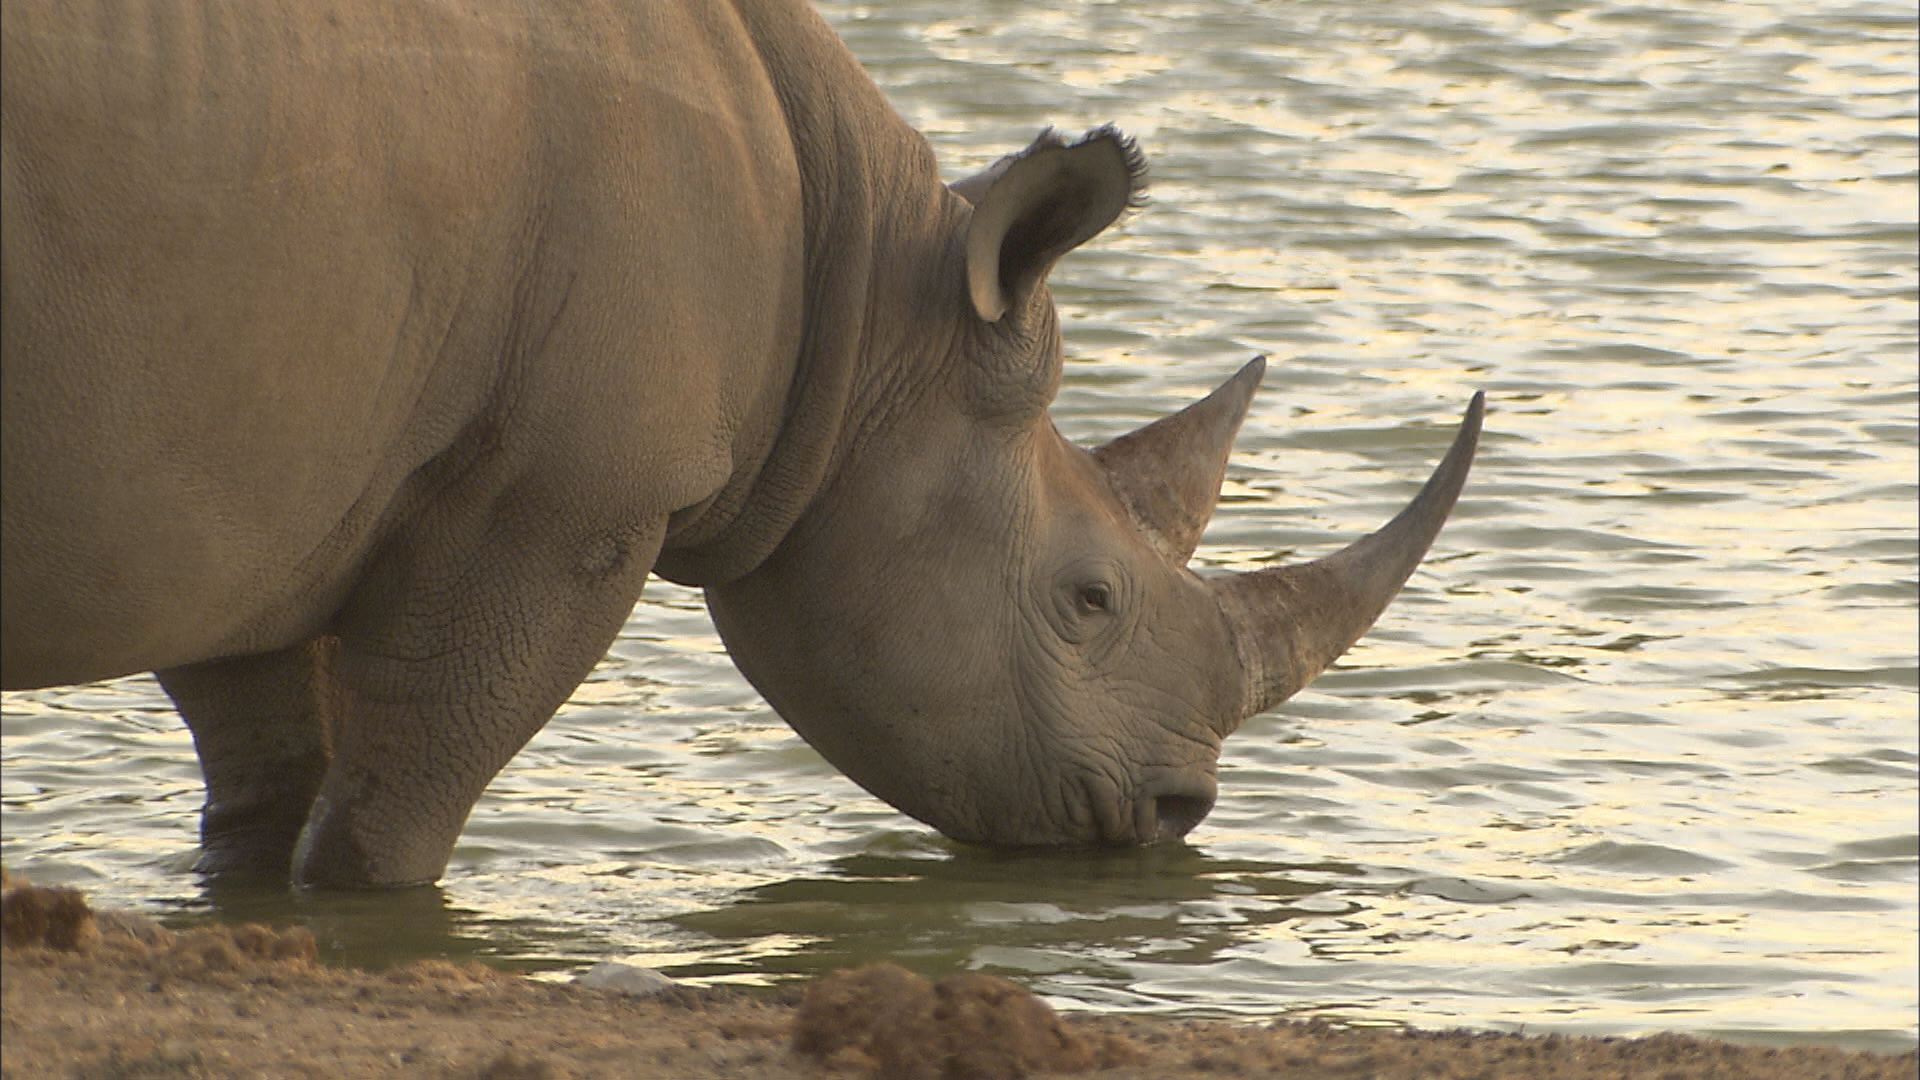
(889, 1022)
(32, 916)
(53, 918)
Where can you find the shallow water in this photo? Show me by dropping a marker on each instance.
(1636, 749)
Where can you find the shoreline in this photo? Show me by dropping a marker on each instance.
(103, 993)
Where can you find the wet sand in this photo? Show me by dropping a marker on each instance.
(106, 994)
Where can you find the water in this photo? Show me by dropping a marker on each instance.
(1635, 751)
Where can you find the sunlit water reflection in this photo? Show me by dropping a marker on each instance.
(1635, 750)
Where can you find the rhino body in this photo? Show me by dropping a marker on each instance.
(362, 360)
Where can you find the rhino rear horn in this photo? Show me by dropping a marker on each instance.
(1168, 473)
(1290, 622)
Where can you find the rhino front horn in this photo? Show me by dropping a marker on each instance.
(1290, 622)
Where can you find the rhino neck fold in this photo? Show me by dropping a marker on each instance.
(856, 159)
(733, 532)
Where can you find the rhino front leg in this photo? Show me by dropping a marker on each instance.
(259, 724)
(451, 657)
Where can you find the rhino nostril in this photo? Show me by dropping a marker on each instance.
(1178, 814)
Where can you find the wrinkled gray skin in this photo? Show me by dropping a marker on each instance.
(361, 362)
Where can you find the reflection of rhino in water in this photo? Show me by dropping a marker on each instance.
(360, 366)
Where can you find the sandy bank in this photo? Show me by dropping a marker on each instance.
(85, 994)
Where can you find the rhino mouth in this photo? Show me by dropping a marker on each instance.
(1174, 815)
(1161, 810)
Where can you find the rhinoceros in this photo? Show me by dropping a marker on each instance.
(362, 359)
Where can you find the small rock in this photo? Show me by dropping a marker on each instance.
(622, 978)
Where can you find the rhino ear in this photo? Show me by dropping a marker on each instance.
(974, 188)
(1033, 207)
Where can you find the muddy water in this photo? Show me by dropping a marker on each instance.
(1635, 751)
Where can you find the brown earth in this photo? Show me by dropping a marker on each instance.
(109, 995)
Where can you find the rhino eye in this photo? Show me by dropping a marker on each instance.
(1095, 597)
(1087, 599)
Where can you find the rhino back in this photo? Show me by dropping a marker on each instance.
(274, 275)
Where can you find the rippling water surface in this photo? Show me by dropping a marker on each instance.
(1635, 750)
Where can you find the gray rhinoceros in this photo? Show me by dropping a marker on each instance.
(362, 359)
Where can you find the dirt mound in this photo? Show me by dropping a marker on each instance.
(34, 917)
(887, 1021)
(60, 919)
(53, 918)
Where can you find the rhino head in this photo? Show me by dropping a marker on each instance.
(995, 630)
